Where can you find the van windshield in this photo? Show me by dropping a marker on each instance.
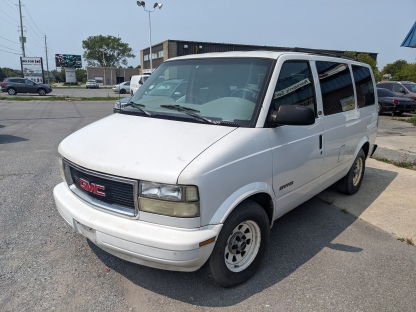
(218, 89)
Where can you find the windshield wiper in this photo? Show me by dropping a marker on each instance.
(188, 111)
(136, 106)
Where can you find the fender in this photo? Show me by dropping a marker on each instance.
(240, 195)
(359, 146)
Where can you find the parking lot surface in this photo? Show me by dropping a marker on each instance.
(319, 259)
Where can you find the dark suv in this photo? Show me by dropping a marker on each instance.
(21, 85)
(401, 88)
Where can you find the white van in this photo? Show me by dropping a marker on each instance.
(194, 169)
(136, 82)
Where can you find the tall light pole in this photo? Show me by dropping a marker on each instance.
(156, 5)
(102, 50)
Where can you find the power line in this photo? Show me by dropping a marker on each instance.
(34, 31)
(34, 37)
(9, 22)
(35, 44)
(11, 6)
(32, 20)
(30, 51)
(8, 48)
(10, 52)
(7, 15)
(9, 40)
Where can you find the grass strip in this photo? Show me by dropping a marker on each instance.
(402, 164)
(58, 98)
(411, 120)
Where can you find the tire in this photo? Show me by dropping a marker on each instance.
(351, 183)
(233, 245)
(123, 91)
(380, 109)
(11, 91)
(86, 87)
(41, 92)
(131, 93)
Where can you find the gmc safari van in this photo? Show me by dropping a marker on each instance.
(195, 167)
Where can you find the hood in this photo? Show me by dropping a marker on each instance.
(141, 148)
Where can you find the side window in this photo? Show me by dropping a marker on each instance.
(386, 86)
(397, 88)
(294, 86)
(21, 81)
(363, 86)
(336, 87)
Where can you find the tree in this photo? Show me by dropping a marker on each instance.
(367, 59)
(115, 51)
(81, 75)
(394, 68)
(406, 73)
(1, 75)
(8, 72)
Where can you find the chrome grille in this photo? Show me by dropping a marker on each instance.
(120, 193)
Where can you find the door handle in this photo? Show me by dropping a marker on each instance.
(320, 141)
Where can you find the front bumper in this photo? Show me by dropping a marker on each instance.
(148, 244)
(400, 107)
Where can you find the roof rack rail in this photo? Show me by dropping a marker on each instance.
(320, 52)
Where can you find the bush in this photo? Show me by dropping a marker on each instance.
(70, 83)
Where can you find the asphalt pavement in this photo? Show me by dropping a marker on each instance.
(329, 254)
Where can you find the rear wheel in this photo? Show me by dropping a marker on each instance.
(380, 109)
(42, 92)
(241, 245)
(11, 91)
(123, 91)
(351, 183)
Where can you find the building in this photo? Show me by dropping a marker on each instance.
(111, 75)
(171, 48)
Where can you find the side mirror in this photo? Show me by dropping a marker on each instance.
(402, 91)
(292, 115)
(140, 81)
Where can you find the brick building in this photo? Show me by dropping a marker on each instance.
(111, 75)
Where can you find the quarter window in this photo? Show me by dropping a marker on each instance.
(336, 87)
(363, 86)
(294, 86)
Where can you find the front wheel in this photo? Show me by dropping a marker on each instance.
(241, 245)
(351, 183)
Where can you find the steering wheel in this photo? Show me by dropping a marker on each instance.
(243, 93)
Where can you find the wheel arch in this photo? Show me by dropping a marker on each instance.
(258, 192)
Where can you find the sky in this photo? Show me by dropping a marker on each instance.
(378, 26)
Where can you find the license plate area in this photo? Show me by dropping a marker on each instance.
(86, 231)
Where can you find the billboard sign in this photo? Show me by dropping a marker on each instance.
(32, 68)
(68, 60)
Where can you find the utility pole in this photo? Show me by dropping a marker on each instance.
(22, 39)
(47, 64)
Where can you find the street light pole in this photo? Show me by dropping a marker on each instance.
(102, 50)
(159, 5)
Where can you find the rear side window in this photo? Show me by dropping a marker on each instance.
(294, 86)
(386, 86)
(336, 87)
(363, 86)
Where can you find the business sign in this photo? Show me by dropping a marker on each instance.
(32, 68)
(70, 75)
(68, 60)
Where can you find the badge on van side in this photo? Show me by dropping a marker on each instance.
(286, 185)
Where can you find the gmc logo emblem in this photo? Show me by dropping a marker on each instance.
(92, 187)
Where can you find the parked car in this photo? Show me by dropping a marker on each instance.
(92, 84)
(136, 82)
(123, 87)
(388, 101)
(22, 85)
(120, 104)
(400, 88)
(176, 184)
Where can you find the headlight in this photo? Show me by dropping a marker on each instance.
(61, 168)
(170, 200)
